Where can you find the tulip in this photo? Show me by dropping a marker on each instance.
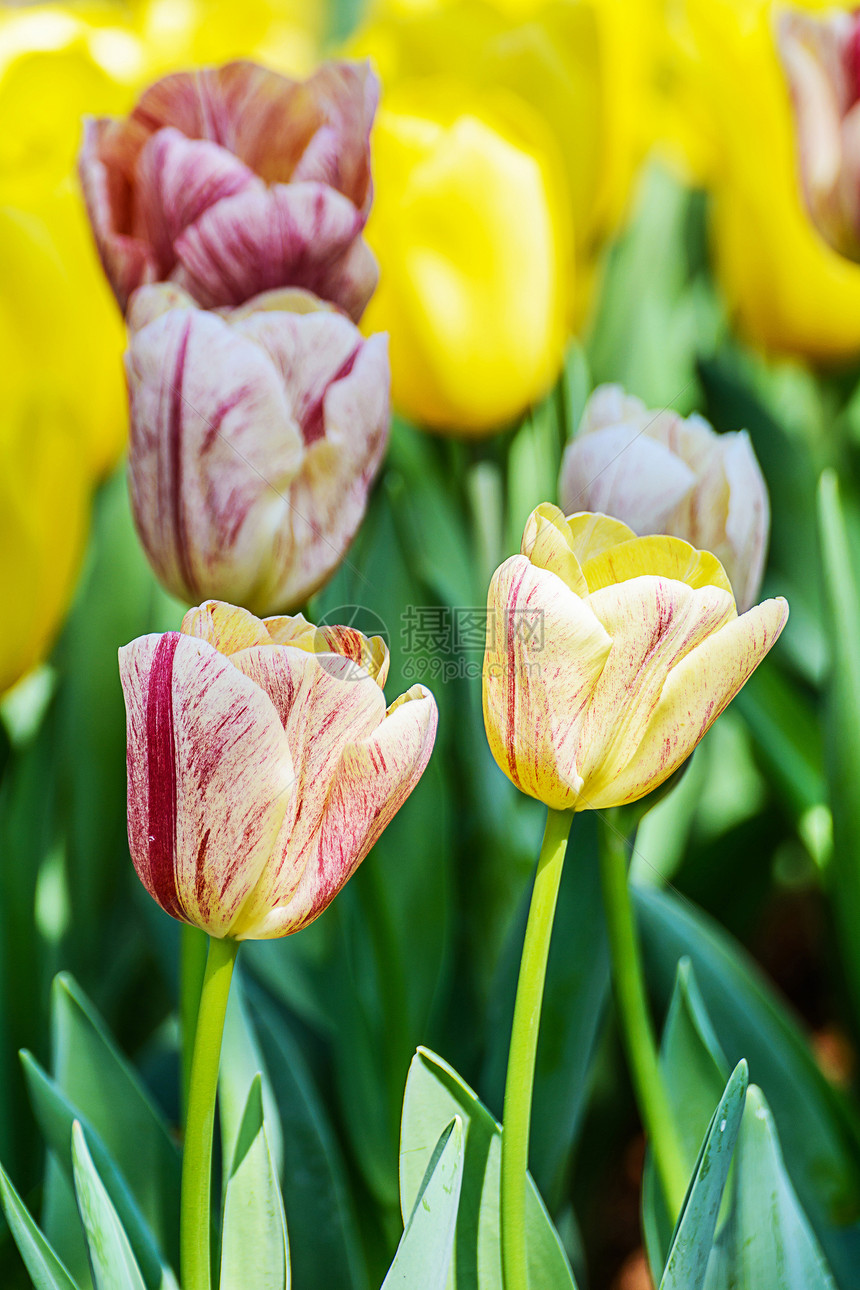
(235, 180)
(255, 437)
(608, 658)
(474, 285)
(788, 291)
(660, 473)
(820, 60)
(263, 765)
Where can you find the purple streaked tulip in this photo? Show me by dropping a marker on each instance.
(263, 764)
(255, 437)
(820, 57)
(235, 180)
(659, 472)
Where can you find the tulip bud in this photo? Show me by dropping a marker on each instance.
(660, 473)
(235, 180)
(255, 437)
(608, 657)
(263, 765)
(819, 55)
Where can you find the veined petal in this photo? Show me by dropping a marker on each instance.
(694, 694)
(373, 778)
(227, 628)
(210, 777)
(659, 556)
(177, 179)
(128, 261)
(654, 623)
(592, 534)
(291, 235)
(548, 543)
(621, 471)
(545, 652)
(748, 520)
(370, 653)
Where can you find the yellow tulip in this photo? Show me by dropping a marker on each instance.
(504, 153)
(788, 290)
(609, 656)
(473, 270)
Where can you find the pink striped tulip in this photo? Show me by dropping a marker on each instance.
(608, 658)
(662, 473)
(820, 57)
(234, 180)
(263, 764)
(255, 437)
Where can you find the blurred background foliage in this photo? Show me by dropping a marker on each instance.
(567, 193)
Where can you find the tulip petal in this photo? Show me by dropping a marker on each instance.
(297, 235)
(177, 179)
(748, 520)
(545, 652)
(227, 628)
(210, 777)
(659, 556)
(548, 543)
(369, 652)
(372, 779)
(128, 261)
(654, 623)
(592, 534)
(619, 470)
(214, 450)
(694, 694)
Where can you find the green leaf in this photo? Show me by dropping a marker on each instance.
(98, 1080)
(56, 1116)
(533, 465)
(241, 1064)
(113, 1264)
(46, 1269)
(767, 1241)
(818, 1128)
(843, 722)
(254, 1247)
(687, 1264)
(574, 1005)
(423, 1256)
(435, 1094)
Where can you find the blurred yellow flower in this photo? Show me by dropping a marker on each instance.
(790, 293)
(508, 140)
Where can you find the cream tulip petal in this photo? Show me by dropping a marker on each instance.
(653, 623)
(324, 704)
(210, 777)
(369, 652)
(226, 627)
(695, 692)
(660, 556)
(548, 543)
(372, 780)
(748, 521)
(593, 533)
(621, 471)
(545, 651)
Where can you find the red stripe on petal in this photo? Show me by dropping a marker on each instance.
(161, 756)
(312, 416)
(174, 441)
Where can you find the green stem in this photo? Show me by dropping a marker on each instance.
(193, 946)
(196, 1214)
(637, 1031)
(523, 1050)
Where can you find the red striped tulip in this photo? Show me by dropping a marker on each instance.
(608, 658)
(234, 180)
(263, 765)
(660, 473)
(819, 55)
(255, 437)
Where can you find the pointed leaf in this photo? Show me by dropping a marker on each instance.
(46, 1269)
(241, 1063)
(424, 1254)
(113, 1264)
(254, 1247)
(687, 1264)
(435, 1094)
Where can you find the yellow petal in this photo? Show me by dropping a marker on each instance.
(225, 627)
(696, 691)
(545, 651)
(593, 533)
(548, 543)
(663, 557)
(654, 623)
(370, 653)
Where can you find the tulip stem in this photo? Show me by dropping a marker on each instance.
(196, 1213)
(637, 1031)
(523, 1050)
(193, 949)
